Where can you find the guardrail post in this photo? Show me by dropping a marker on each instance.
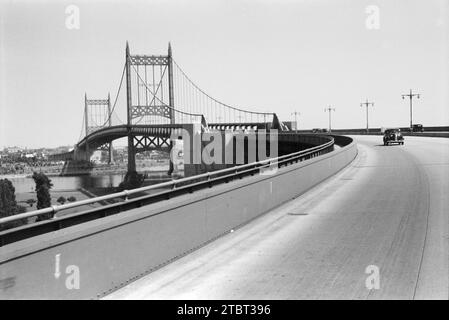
(208, 179)
(55, 210)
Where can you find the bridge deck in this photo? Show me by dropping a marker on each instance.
(389, 209)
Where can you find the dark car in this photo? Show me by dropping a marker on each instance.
(418, 128)
(393, 136)
(319, 130)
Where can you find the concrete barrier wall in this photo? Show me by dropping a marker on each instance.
(108, 253)
(286, 142)
(427, 134)
(405, 134)
(438, 131)
(435, 131)
(403, 129)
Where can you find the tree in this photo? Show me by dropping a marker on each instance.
(21, 209)
(8, 204)
(30, 202)
(71, 199)
(61, 200)
(43, 186)
(132, 180)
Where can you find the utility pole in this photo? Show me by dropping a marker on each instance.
(367, 104)
(411, 95)
(296, 114)
(329, 109)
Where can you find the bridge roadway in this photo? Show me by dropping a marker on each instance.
(389, 208)
(152, 131)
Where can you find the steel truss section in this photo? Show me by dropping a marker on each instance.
(97, 102)
(104, 147)
(138, 60)
(89, 105)
(139, 111)
(146, 143)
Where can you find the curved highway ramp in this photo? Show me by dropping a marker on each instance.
(386, 212)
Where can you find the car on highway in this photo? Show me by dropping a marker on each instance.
(393, 136)
(319, 130)
(417, 128)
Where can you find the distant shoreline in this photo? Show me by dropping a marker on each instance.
(25, 175)
(15, 176)
(93, 173)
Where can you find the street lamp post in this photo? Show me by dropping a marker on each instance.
(329, 109)
(411, 95)
(296, 114)
(367, 104)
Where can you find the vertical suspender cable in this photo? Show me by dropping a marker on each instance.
(146, 91)
(153, 93)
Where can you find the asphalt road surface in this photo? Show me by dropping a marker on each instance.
(389, 210)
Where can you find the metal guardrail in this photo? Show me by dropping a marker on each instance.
(179, 186)
(374, 130)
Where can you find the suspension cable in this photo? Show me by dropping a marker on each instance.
(164, 104)
(116, 98)
(219, 102)
(82, 126)
(156, 92)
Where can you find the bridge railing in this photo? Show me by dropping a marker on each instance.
(172, 188)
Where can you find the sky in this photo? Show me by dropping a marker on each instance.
(263, 55)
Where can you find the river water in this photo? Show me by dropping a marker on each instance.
(26, 184)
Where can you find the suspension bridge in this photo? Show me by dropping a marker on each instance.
(320, 217)
(159, 99)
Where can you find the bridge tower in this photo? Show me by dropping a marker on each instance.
(149, 97)
(97, 115)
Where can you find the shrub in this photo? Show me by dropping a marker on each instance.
(61, 200)
(30, 202)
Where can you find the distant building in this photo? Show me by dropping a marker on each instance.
(13, 149)
(96, 156)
